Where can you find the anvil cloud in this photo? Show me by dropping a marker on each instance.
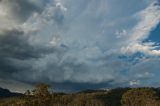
(79, 44)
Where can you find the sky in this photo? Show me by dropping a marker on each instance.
(79, 44)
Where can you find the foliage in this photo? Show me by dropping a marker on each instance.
(140, 97)
(41, 96)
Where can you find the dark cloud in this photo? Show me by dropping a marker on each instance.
(70, 86)
(14, 44)
(6, 69)
(21, 9)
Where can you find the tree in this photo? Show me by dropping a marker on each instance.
(41, 90)
(42, 95)
(140, 97)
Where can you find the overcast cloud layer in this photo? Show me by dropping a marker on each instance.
(79, 44)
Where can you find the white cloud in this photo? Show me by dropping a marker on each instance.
(149, 19)
(132, 83)
(59, 5)
(121, 33)
(145, 48)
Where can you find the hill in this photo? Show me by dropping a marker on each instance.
(5, 93)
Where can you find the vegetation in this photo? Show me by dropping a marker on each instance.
(41, 96)
(140, 97)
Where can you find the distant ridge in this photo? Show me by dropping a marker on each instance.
(4, 93)
(91, 91)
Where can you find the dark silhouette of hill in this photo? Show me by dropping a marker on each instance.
(5, 93)
(91, 91)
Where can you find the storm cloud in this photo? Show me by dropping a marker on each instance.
(79, 44)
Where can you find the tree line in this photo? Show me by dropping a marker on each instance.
(41, 96)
